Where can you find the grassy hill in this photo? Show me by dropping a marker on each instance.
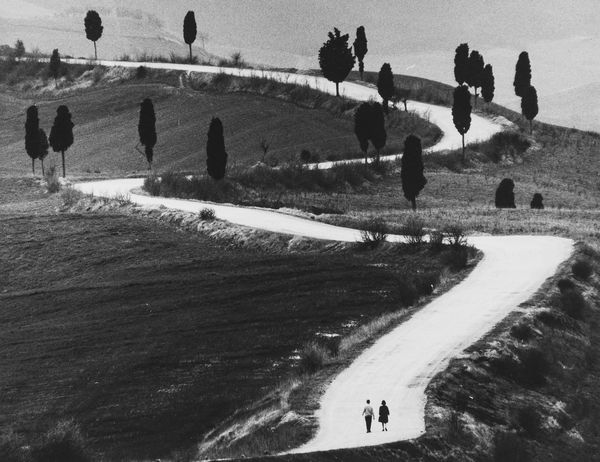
(105, 107)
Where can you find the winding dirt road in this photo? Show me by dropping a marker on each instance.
(398, 366)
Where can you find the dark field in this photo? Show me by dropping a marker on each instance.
(148, 336)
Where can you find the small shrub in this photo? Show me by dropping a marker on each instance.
(414, 230)
(63, 443)
(313, 356)
(537, 202)
(582, 269)
(522, 332)
(141, 72)
(573, 304)
(207, 214)
(375, 231)
(70, 196)
(152, 185)
(565, 285)
(52, 181)
(509, 447)
(123, 200)
(529, 419)
(456, 235)
(436, 240)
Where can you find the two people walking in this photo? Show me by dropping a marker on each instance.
(384, 414)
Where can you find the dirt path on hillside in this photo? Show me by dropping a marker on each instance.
(400, 365)
(482, 128)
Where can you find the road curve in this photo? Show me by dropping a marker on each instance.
(398, 366)
(481, 129)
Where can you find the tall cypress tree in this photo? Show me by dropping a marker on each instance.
(44, 145)
(360, 49)
(336, 59)
(216, 157)
(475, 71)
(385, 85)
(32, 135)
(377, 131)
(61, 134)
(413, 180)
(189, 30)
(369, 125)
(147, 129)
(461, 112)
(529, 105)
(362, 121)
(461, 63)
(487, 83)
(54, 65)
(522, 79)
(93, 28)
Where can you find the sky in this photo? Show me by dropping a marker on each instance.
(415, 37)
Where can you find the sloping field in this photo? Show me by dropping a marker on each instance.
(106, 129)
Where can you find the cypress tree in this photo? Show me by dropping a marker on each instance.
(529, 105)
(413, 180)
(487, 83)
(369, 125)
(44, 145)
(362, 118)
(385, 85)
(93, 28)
(461, 112)
(360, 48)
(216, 157)
(189, 30)
(147, 129)
(461, 63)
(505, 196)
(537, 202)
(475, 71)
(522, 79)
(377, 131)
(61, 134)
(336, 59)
(32, 135)
(54, 65)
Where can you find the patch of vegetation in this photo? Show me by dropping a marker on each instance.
(207, 214)
(582, 269)
(374, 232)
(262, 185)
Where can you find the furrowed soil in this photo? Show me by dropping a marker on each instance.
(147, 335)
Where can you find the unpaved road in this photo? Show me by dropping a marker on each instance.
(398, 366)
(481, 129)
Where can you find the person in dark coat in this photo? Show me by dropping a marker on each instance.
(384, 414)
